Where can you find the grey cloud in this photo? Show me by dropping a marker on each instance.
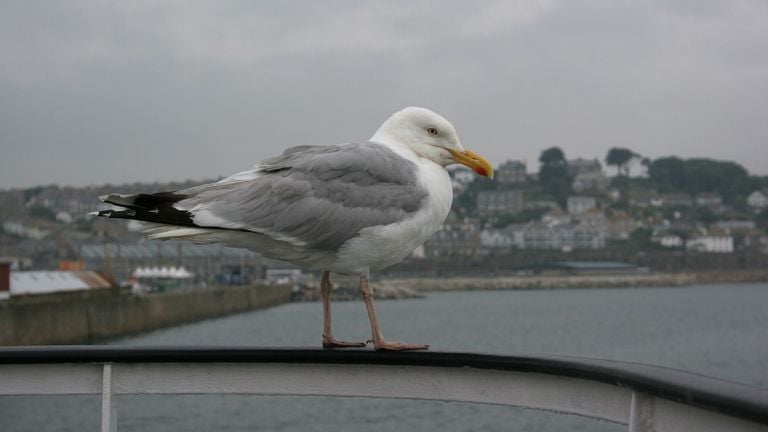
(95, 92)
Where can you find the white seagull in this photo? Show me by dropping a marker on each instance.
(350, 208)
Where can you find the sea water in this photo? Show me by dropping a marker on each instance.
(716, 330)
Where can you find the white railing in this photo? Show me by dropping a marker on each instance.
(642, 397)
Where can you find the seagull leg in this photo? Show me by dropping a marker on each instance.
(328, 340)
(378, 338)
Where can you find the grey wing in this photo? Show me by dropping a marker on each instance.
(314, 197)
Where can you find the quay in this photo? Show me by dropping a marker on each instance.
(93, 315)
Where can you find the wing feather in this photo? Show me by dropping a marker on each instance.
(319, 197)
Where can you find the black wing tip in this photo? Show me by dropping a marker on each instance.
(120, 214)
(155, 207)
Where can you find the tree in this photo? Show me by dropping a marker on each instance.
(553, 165)
(467, 201)
(646, 163)
(668, 172)
(695, 176)
(42, 212)
(706, 175)
(553, 174)
(621, 158)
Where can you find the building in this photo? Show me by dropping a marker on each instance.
(620, 226)
(593, 181)
(642, 197)
(669, 240)
(456, 239)
(758, 199)
(584, 166)
(541, 205)
(735, 226)
(580, 204)
(499, 202)
(709, 199)
(593, 217)
(496, 240)
(502, 240)
(672, 200)
(49, 282)
(208, 262)
(556, 217)
(461, 177)
(711, 244)
(511, 172)
(565, 237)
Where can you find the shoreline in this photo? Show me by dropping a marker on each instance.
(572, 281)
(409, 288)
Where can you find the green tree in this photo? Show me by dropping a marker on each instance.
(553, 174)
(646, 163)
(668, 172)
(520, 217)
(621, 159)
(698, 175)
(641, 237)
(706, 175)
(42, 212)
(467, 201)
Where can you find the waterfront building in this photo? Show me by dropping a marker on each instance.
(50, 282)
(511, 172)
(565, 237)
(491, 203)
(711, 244)
(455, 239)
(210, 263)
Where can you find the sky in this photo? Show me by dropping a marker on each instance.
(95, 92)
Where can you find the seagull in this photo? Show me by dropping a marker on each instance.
(352, 208)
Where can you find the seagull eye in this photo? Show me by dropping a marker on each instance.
(432, 131)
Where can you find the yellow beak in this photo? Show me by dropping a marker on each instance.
(474, 161)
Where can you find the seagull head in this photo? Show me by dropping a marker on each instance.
(432, 137)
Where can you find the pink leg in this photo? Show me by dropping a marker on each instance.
(378, 338)
(328, 340)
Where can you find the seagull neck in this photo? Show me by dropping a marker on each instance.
(402, 149)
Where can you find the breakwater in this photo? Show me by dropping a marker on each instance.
(571, 281)
(346, 289)
(94, 315)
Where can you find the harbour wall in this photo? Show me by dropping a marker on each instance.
(575, 281)
(99, 314)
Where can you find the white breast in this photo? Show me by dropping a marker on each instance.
(380, 247)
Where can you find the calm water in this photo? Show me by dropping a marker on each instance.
(717, 330)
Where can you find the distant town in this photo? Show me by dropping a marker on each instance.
(666, 214)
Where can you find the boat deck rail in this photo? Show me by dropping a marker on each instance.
(643, 397)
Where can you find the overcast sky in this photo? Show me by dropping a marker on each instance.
(96, 92)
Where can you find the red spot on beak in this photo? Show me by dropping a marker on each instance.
(481, 171)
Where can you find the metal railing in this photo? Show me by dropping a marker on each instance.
(646, 398)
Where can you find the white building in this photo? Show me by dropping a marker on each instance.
(758, 199)
(580, 204)
(511, 172)
(460, 178)
(499, 202)
(736, 226)
(565, 237)
(504, 239)
(581, 166)
(591, 182)
(711, 244)
(46, 282)
(669, 240)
